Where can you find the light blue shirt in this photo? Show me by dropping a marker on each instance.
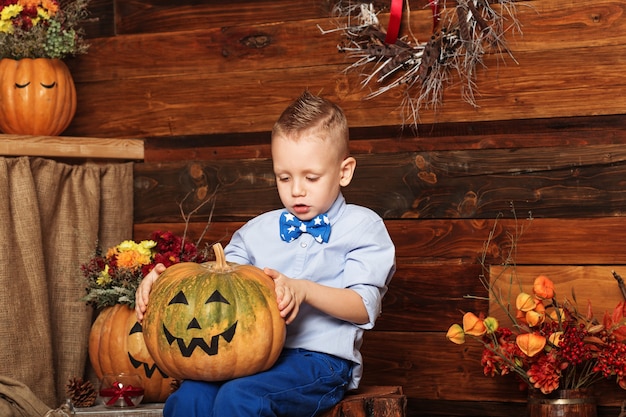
(359, 255)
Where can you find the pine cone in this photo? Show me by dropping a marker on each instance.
(82, 393)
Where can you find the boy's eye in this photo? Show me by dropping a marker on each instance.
(283, 179)
(312, 179)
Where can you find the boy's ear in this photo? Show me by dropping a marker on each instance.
(347, 171)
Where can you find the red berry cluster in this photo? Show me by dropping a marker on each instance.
(612, 360)
(573, 348)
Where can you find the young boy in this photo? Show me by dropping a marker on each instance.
(330, 279)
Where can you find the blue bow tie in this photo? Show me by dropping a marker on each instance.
(291, 227)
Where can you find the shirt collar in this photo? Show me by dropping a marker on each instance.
(337, 209)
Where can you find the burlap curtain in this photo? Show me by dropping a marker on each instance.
(52, 214)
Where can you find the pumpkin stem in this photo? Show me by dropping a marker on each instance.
(220, 258)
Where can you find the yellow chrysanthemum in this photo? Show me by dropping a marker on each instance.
(145, 247)
(6, 26)
(104, 278)
(42, 14)
(10, 11)
(126, 245)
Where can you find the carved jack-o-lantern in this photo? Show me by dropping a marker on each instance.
(116, 346)
(37, 96)
(213, 321)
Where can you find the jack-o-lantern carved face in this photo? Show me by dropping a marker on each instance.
(116, 345)
(138, 354)
(211, 348)
(213, 321)
(41, 87)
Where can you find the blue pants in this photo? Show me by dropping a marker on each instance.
(301, 383)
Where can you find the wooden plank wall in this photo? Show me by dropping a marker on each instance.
(188, 68)
(548, 138)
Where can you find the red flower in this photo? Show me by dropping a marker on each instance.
(171, 249)
(29, 11)
(545, 373)
(500, 354)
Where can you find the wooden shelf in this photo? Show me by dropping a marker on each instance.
(71, 147)
(142, 410)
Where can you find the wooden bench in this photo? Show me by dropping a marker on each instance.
(368, 401)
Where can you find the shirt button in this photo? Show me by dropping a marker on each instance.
(303, 245)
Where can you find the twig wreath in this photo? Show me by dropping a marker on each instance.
(460, 38)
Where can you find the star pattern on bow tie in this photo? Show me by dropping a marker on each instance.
(291, 227)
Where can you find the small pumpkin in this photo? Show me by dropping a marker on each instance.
(213, 321)
(116, 346)
(37, 96)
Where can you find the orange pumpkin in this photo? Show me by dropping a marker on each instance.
(213, 321)
(116, 346)
(37, 96)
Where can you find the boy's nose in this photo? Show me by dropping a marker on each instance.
(297, 189)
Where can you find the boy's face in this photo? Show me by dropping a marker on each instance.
(309, 174)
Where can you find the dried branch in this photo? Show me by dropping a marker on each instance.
(620, 283)
(187, 217)
(422, 69)
(492, 284)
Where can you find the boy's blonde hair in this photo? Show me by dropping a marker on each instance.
(314, 115)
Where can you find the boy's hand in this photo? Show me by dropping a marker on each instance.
(341, 303)
(289, 294)
(143, 291)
